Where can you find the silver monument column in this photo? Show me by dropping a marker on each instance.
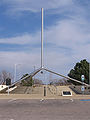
(41, 37)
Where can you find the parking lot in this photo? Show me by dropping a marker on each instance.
(69, 109)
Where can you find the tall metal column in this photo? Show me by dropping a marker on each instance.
(41, 37)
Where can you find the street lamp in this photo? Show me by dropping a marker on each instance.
(15, 66)
(89, 73)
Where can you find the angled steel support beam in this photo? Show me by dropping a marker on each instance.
(65, 77)
(30, 75)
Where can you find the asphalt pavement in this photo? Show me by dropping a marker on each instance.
(40, 109)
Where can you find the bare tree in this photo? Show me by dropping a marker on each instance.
(0, 78)
(4, 75)
(37, 81)
(61, 81)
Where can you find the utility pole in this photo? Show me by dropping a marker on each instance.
(15, 66)
(15, 72)
(89, 73)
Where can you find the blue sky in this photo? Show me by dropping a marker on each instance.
(66, 34)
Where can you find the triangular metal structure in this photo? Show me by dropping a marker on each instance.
(42, 67)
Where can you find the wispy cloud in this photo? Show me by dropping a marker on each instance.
(18, 8)
(66, 34)
(35, 5)
(22, 39)
(66, 42)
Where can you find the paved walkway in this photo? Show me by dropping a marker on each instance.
(28, 96)
(52, 92)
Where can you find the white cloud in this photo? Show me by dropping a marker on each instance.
(22, 39)
(66, 34)
(27, 60)
(35, 5)
(71, 34)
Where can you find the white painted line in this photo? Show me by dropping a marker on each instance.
(71, 100)
(12, 100)
(41, 100)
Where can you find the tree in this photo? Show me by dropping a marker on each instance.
(4, 75)
(37, 81)
(62, 81)
(24, 75)
(27, 81)
(81, 68)
(0, 79)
